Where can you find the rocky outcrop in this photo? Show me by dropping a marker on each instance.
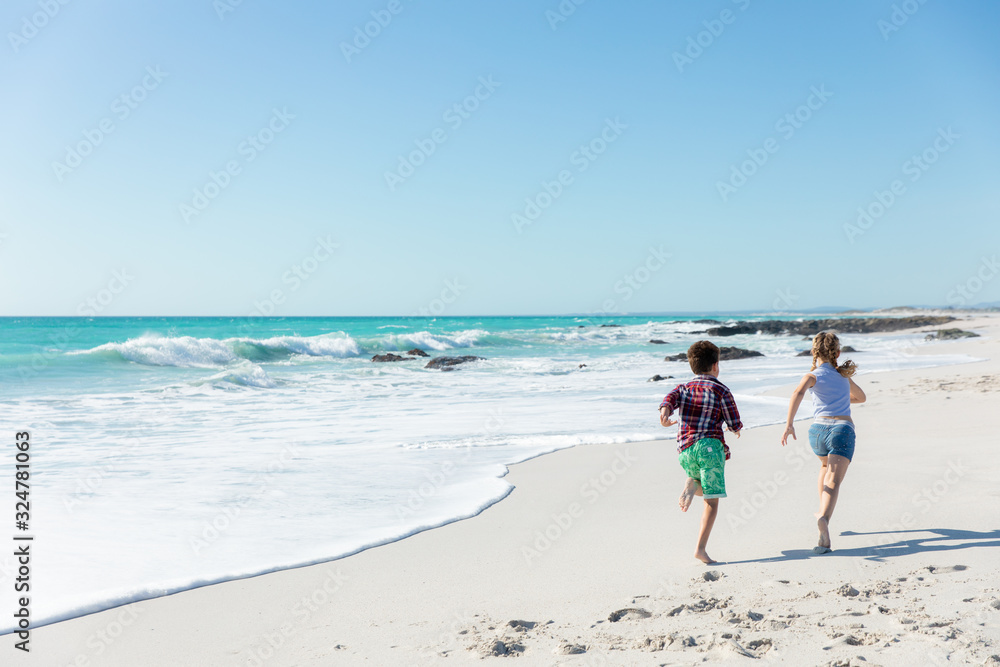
(813, 327)
(658, 378)
(448, 363)
(808, 353)
(657, 341)
(388, 357)
(725, 354)
(417, 352)
(950, 334)
(731, 353)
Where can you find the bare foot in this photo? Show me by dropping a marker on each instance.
(687, 495)
(703, 556)
(824, 532)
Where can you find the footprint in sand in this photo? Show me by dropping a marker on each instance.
(945, 570)
(497, 648)
(710, 575)
(571, 649)
(847, 591)
(521, 626)
(631, 614)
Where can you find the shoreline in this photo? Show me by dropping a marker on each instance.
(159, 613)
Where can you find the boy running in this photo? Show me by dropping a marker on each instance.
(704, 404)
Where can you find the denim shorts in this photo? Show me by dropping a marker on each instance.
(837, 439)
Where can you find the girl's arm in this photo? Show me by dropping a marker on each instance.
(857, 393)
(808, 380)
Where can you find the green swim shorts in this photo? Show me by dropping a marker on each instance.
(705, 461)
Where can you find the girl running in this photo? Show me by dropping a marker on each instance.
(832, 434)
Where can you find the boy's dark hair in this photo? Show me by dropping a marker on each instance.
(702, 356)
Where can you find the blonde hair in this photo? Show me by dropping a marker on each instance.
(826, 347)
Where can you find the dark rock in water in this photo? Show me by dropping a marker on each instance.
(725, 354)
(844, 325)
(580, 326)
(388, 357)
(417, 352)
(657, 341)
(706, 322)
(658, 377)
(808, 353)
(447, 363)
(582, 366)
(731, 353)
(950, 334)
(610, 325)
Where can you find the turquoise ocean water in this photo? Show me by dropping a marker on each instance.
(173, 452)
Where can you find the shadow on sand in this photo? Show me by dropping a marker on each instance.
(933, 540)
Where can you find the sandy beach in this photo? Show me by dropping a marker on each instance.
(589, 561)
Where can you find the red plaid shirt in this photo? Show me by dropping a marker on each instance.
(704, 404)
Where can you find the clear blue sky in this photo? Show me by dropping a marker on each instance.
(776, 241)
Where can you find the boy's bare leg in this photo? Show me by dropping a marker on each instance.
(692, 488)
(707, 521)
(835, 470)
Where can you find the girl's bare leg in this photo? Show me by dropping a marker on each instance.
(836, 469)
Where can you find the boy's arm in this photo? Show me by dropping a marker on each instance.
(668, 406)
(730, 413)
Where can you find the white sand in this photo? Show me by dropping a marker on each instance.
(921, 499)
